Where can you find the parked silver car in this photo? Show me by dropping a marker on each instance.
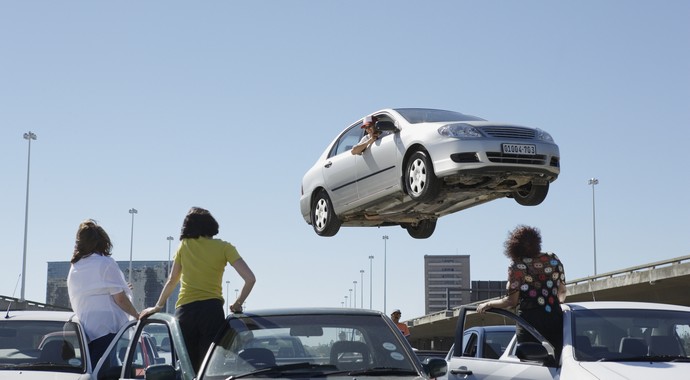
(426, 163)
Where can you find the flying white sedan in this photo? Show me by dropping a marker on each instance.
(425, 164)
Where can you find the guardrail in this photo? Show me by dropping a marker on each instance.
(626, 271)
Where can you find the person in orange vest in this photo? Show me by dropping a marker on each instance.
(395, 316)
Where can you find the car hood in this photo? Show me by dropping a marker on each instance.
(636, 370)
(42, 375)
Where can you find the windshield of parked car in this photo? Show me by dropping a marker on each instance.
(41, 346)
(423, 115)
(309, 346)
(631, 334)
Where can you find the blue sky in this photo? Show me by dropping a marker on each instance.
(164, 105)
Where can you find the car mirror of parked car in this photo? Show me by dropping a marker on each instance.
(435, 367)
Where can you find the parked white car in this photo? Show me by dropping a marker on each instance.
(601, 340)
(426, 163)
(52, 345)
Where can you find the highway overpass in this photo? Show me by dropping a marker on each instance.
(663, 281)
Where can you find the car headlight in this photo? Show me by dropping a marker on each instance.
(459, 130)
(543, 135)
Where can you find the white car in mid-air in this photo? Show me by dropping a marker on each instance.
(426, 163)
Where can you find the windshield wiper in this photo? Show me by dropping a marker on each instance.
(383, 371)
(279, 368)
(648, 358)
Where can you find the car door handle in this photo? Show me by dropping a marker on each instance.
(328, 164)
(461, 371)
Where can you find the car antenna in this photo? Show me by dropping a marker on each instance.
(13, 293)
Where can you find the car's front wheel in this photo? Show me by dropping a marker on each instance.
(422, 230)
(531, 194)
(421, 183)
(323, 217)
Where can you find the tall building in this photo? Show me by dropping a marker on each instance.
(446, 282)
(148, 278)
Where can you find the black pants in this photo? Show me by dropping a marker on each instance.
(199, 322)
(98, 346)
(550, 325)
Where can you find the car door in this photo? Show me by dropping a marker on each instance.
(378, 171)
(508, 366)
(340, 171)
(153, 341)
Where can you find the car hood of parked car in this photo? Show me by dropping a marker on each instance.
(641, 370)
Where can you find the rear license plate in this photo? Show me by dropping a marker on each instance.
(519, 149)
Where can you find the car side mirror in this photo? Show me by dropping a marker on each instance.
(385, 125)
(535, 352)
(435, 367)
(160, 372)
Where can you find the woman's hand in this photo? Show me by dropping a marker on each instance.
(236, 307)
(481, 308)
(149, 310)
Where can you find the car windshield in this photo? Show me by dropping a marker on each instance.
(41, 346)
(423, 115)
(309, 346)
(631, 334)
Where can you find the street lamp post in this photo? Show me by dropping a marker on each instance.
(354, 301)
(346, 304)
(131, 244)
(371, 281)
(350, 304)
(227, 301)
(594, 181)
(169, 239)
(27, 136)
(361, 289)
(385, 240)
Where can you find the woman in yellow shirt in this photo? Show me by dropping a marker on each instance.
(198, 266)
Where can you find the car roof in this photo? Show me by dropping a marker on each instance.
(597, 305)
(40, 315)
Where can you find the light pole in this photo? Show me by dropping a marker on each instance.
(169, 239)
(385, 240)
(27, 136)
(131, 244)
(594, 181)
(371, 280)
(354, 301)
(350, 304)
(361, 289)
(227, 301)
(346, 305)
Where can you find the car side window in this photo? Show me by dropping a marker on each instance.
(470, 343)
(347, 140)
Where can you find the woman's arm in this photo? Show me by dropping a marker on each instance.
(506, 302)
(249, 280)
(168, 288)
(125, 304)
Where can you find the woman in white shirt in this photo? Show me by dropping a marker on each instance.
(97, 289)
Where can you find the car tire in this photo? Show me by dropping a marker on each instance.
(323, 217)
(422, 230)
(421, 183)
(531, 194)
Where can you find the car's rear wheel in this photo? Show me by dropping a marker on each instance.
(531, 194)
(421, 183)
(323, 217)
(422, 230)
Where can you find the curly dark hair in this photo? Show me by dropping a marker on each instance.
(91, 238)
(198, 222)
(523, 241)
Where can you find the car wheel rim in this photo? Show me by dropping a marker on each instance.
(321, 214)
(417, 176)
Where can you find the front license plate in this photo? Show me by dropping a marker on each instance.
(519, 149)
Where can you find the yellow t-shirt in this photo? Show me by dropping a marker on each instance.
(203, 262)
